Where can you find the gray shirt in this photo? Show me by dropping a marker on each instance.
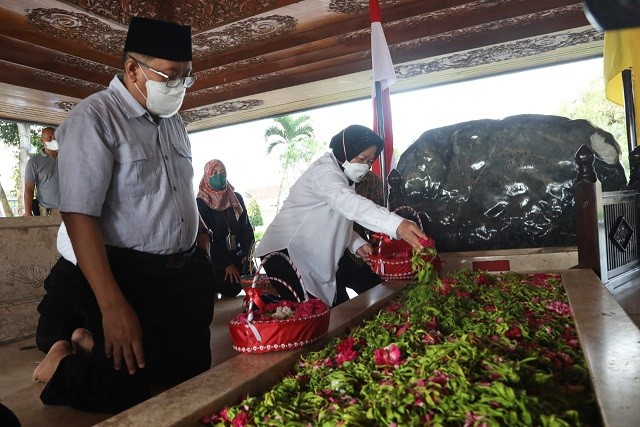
(42, 170)
(134, 174)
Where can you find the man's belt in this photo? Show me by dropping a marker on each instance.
(178, 260)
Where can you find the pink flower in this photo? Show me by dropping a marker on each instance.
(389, 355)
(345, 351)
(241, 419)
(432, 323)
(346, 356)
(224, 414)
(482, 279)
(446, 285)
(514, 332)
(402, 329)
(427, 242)
(559, 307)
(346, 344)
(429, 339)
(394, 306)
(471, 420)
(438, 378)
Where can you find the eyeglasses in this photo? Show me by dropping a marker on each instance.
(171, 81)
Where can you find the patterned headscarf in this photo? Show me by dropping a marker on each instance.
(218, 200)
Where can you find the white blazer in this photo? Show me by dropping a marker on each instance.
(315, 225)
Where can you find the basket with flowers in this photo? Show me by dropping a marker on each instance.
(394, 259)
(281, 325)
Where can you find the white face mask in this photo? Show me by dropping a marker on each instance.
(355, 171)
(51, 145)
(162, 101)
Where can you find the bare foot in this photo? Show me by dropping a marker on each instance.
(82, 341)
(49, 364)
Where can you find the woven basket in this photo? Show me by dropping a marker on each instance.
(392, 261)
(263, 283)
(262, 336)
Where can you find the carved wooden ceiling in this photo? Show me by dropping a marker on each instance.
(260, 58)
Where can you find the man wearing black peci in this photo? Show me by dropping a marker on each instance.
(128, 203)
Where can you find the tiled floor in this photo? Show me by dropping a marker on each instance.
(21, 395)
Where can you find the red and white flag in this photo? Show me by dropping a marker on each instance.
(384, 73)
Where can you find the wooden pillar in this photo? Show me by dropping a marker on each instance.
(588, 195)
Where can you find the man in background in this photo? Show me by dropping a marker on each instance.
(41, 178)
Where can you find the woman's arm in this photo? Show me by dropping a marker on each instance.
(245, 229)
(331, 187)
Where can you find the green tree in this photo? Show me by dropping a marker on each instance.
(296, 136)
(592, 105)
(254, 213)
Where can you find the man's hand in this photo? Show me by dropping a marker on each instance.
(410, 233)
(122, 331)
(364, 252)
(123, 336)
(231, 274)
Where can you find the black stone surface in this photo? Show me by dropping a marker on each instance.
(504, 184)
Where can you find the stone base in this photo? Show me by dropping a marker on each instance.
(531, 259)
(27, 253)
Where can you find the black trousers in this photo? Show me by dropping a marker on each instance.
(350, 274)
(175, 309)
(59, 316)
(353, 274)
(278, 267)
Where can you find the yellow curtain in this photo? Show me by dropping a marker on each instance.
(621, 52)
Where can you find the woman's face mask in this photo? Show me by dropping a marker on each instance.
(161, 100)
(218, 182)
(355, 171)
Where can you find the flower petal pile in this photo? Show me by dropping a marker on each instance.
(471, 349)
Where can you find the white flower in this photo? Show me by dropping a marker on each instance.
(282, 313)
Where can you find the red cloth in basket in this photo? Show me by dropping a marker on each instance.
(392, 260)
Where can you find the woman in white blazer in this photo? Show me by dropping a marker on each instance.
(315, 224)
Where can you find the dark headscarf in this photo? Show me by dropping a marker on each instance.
(356, 139)
(159, 39)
